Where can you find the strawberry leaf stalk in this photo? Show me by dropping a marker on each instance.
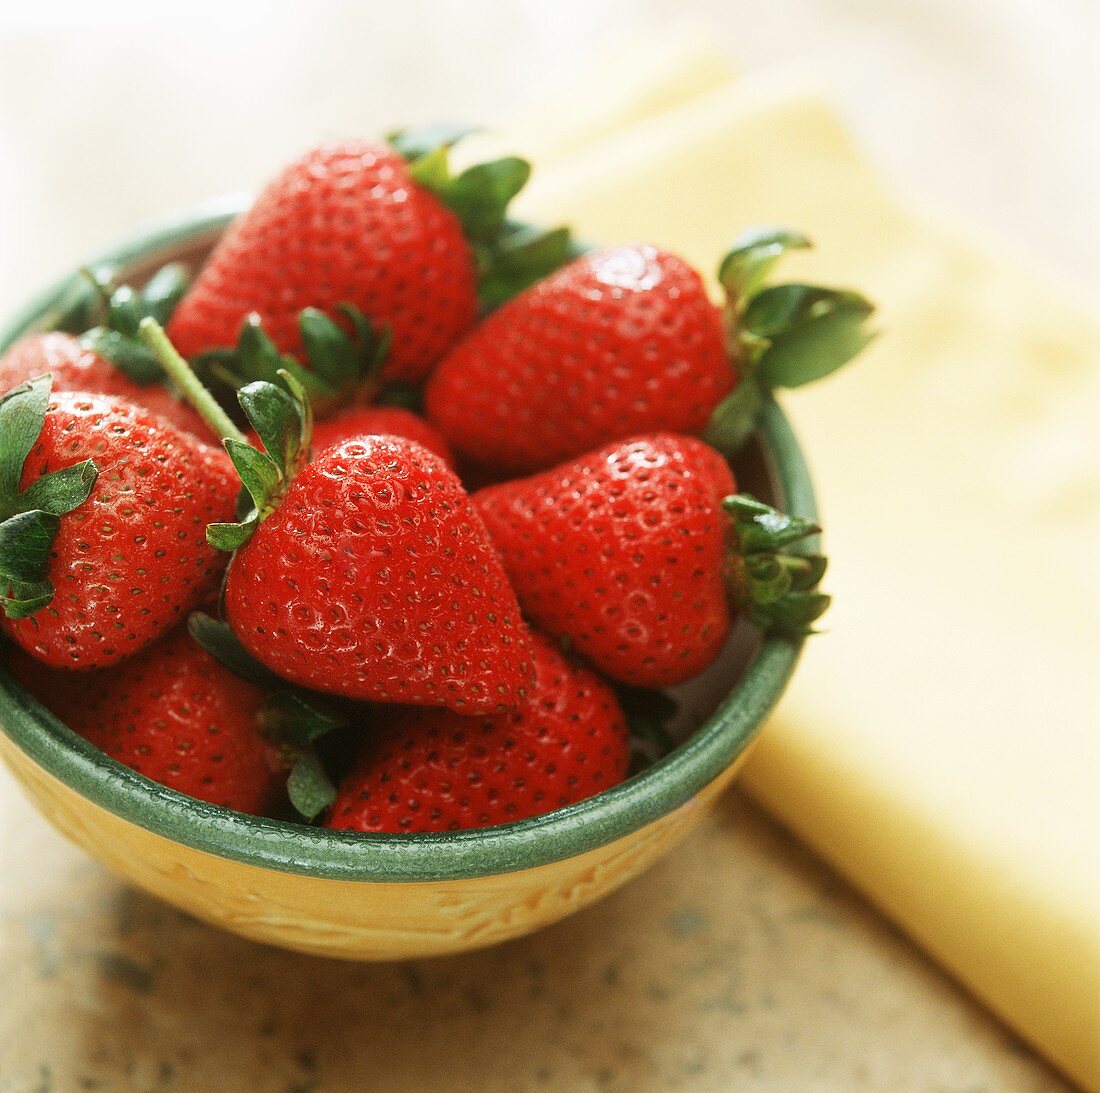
(510, 255)
(282, 418)
(779, 335)
(777, 590)
(292, 717)
(339, 367)
(30, 518)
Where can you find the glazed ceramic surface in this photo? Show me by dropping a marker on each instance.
(395, 896)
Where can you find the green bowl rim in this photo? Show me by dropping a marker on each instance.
(318, 852)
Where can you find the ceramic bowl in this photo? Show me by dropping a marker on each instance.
(379, 897)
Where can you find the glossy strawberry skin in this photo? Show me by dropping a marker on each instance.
(76, 368)
(343, 224)
(358, 421)
(434, 770)
(623, 551)
(618, 343)
(132, 560)
(375, 579)
(173, 714)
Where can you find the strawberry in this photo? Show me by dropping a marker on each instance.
(434, 770)
(173, 714)
(76, 367)
(358, 421)
(384, 228)
(366, 573)
(625, 341)
(103, 508)
(630, 553)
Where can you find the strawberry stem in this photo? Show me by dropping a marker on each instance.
(153, 335)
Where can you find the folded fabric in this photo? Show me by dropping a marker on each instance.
(939, 745)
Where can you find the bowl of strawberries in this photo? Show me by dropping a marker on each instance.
(381, 576)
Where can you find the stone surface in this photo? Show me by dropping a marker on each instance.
(740, 962)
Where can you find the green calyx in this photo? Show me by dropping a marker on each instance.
(292, 717)
(782, 335)
(282, 418)
(107, 316)
(31, 518)
(510, 256)
(339, 366)
(775, 588)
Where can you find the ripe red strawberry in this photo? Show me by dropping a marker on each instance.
(94, 568)
(173, 714)
(618, 342)
(385, 229)
(366, 573)
(626, 341)
(374, 579)
(434, 770)
(631, 554)
(378, 421)
(76, 367)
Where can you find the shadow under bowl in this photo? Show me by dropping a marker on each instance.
(382, 897)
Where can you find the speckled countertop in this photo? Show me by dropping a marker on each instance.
(738, 963)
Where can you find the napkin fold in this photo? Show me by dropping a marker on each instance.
(940, 743)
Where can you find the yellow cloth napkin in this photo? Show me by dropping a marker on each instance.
(940, 743)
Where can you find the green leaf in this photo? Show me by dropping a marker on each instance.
(295, 716)
(219, 640)
(331, 353)
(479, 196)
(258, 473)
(22, 415)
(524, 255)
(309, 787)
(84, 303)
(735, 417)
(63, 490)
(26, 540)
(753, 256)
(776, 589)
(164, 290)
(231, 537)
(816, 346)
(125, 353)
(418, 141)
(276, 416)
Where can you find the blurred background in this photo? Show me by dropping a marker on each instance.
(742, 962)
(117, 112)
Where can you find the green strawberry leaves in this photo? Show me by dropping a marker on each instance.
(781, 335)
(340, 365)
(283, 421)
(30, 519)
(777, 590)
(308, 786)
(282, 417)
(510, 256)
(115, 316)
(293, 717)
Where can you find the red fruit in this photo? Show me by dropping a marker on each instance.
(344, 224)
(620, 342)
(131, 560)
(77, 368)
(358, 421)
(434, 770)
(374, 578)
(173, 714)
(624, 552)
